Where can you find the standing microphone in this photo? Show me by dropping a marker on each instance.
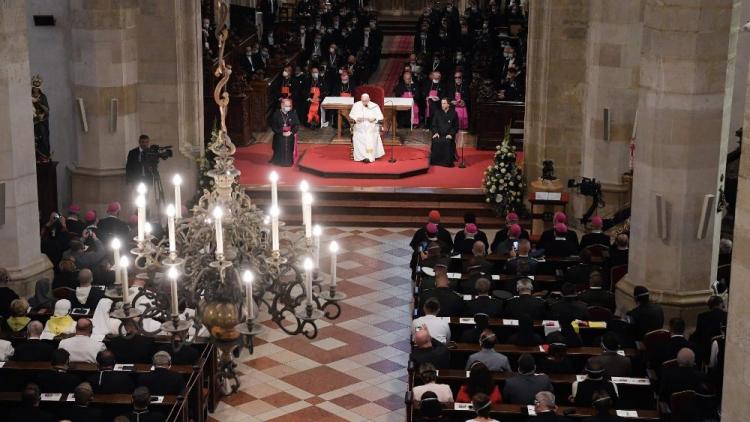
(462, 164)
(393, 139)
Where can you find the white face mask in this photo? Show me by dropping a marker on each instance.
(343, 81)
(315, 75)
(436, 81)
(285, 74)
(286, 109)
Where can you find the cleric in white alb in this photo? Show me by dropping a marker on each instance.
(367, 143)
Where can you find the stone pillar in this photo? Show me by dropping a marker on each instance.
(19, 233)
(555, 82)
(613, 58)
(170, 92)
(680, 151)
(104, 72)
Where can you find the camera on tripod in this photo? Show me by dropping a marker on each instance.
(586, 187)
(592, 188)
(155, 153)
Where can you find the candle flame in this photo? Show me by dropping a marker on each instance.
(116, 244)
(140, 201)
(141, 189)
(177, 180)
(333, 247)
(307, 198)
(124, 262)
(171, 210)
(172, 273)
(308, 264)
(218, 213)
(274, 177)
(304, 186)
(248, 276)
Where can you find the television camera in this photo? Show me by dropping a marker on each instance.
(592, 188)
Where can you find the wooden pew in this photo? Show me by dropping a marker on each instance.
(82, 367)
(509, 349)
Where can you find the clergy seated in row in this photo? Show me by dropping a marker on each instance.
(81, 346)
(463, 241)
(502, 235)
(677, 341)
(34, 348)
(595, 236)
(451, 304)
(367, 117)
(520, 262)
(583, 391)
(580, 273)
(483, 303)
(407, 88)
(86, 296)
(596, 295)
(523, 387)
(525, 303)
(549, 235)
(614, 364)
(444, 127)
(284, 124)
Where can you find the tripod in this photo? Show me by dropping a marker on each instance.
(155, 182)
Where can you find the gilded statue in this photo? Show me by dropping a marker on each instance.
(41, 120)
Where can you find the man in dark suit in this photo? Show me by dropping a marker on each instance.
(110, 226)
(483, 303)
(135, 349)
(676, 342)
(80, 411)
(614, 364)
(580, 273)
(520, 263)
(161, 381)
(252, 61)
(451, 304)
(33, 349)
(709, 324)
(58, 380)
(568, 307)
(136, 169)
(546, 409)
(680, 378)
(525, 303)
(29, 410)
(444, 128)
(647, 316)
(595, 295)
(107, 380)
(428, 350)
(522, 387)
(141, 412)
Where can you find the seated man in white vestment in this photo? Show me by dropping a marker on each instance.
(367, 143)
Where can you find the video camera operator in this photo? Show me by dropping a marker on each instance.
(142, 166)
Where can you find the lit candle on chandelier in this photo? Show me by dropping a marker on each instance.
(334, 249)
(307, 200)
(275, 228)
(140, 203)
(218, 214)
(173, 275)
(170, 223)
(124, 262)
(274, 178)
(116, 248)
(317, 231)
(177, 182)
(248, 277)
(308, 266)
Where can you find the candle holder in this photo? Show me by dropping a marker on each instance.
(125, 313)
(176, 326)
(144, 253)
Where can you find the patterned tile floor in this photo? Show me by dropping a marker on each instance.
(355, 369)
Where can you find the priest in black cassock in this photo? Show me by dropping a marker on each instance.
(444, 129)
(284, 124)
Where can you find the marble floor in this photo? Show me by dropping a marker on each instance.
(355, 370)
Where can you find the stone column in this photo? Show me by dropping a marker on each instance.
(104, 71)
(613, 58)
(19, 233)
(680, 151)
(556, 63)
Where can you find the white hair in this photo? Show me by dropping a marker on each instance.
(525, 284)
(365, 95)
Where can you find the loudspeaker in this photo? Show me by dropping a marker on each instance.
(606, 119)
(44, 20)
(706, 211)
(113, 115)
(82, 114)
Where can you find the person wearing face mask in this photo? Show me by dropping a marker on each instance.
(284, 124)
(285, 86)
(343, 87)
(423, 43)
(208, 38)
(458, 94)
(313, 88)
(332, 60)
(252, 61)
(444, 127)
(510, 88)
(406, 88)
(509, 60)
(434, 91)
(316, 50)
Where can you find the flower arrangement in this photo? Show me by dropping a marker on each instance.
(504, 184)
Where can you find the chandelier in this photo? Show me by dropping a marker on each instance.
(227, 259)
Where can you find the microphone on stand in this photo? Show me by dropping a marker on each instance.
(462, 164)
(393, 138)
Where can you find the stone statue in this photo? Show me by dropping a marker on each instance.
(548, 170)
(41, 120)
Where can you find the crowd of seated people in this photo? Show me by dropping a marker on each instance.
(519, 332)
(449, 49)
(67, 323)
(337, 47)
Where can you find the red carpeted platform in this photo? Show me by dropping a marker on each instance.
(252, 161)
(334, 161)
